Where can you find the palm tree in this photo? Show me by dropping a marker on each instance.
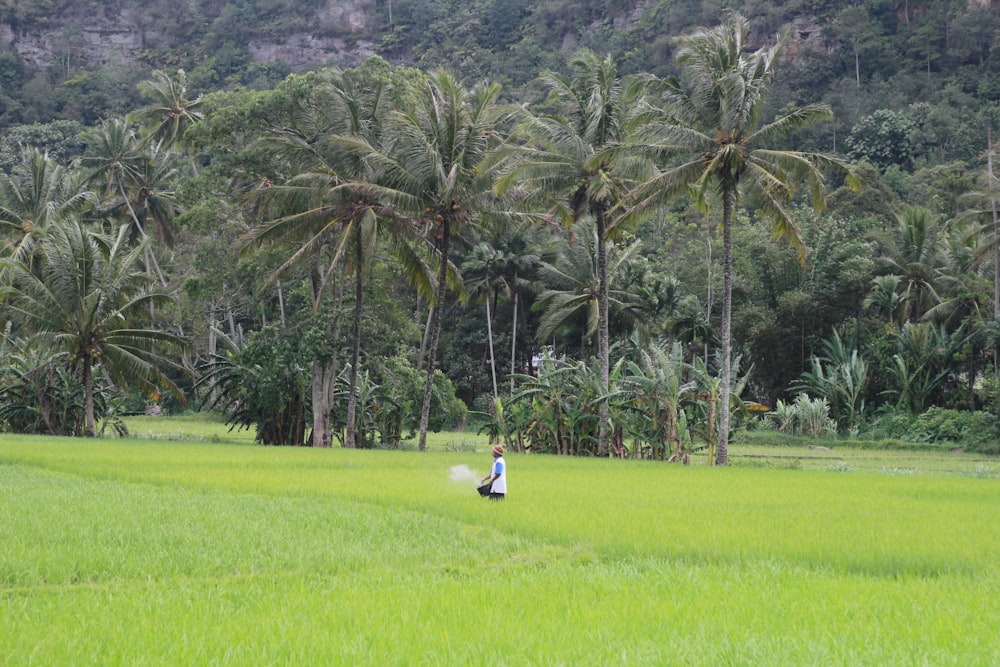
(134, 176)
(574, 286)
(913, 254)
(37, 195)
(885, 299)
(333, 201)
(153, 203)
(435, 176)
(82, 305)
(501, 266)
(481, 272)
(579, 159)
(713, 128)
(170, 112)
(114, 154)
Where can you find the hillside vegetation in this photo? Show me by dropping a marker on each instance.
(286, 234)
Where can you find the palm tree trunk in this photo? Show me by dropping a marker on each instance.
(281, 304)
(493, 365)
(150, 257)
(352, 399)
(996, 225)
(213, 338)
(728, 195)
(710, 293)
(427, 334)
(602, 331)
(323, 375)
(88, 393)
(857, 66)
(996, 241)
(513, 344)
(438, 309)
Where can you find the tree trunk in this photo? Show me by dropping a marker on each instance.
(150, 257)
(323, 380)
(212, 348)
(728, 195)
(88, 393)
(857, 67)
(996, 225)
(438, 309)
(352, 399)
(324, 373)
(709, 293)
(281, 304)
(427, 333)
(602, 331)
(493, 365)
(513, 344)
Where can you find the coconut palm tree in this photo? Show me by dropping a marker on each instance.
(501, 266)
(332, 201)
(435, 174)
(83, 304)
(913, 252)
(38, 194)
(578, 159)
(135, 178)
(482, 273)
(715, 144)
(170, 111)
(572, 296)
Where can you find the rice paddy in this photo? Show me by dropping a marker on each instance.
(201, 550)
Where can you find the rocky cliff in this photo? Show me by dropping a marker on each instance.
(81, 39)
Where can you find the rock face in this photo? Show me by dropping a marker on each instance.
(91, 40)
(80, 42)
(302, 50)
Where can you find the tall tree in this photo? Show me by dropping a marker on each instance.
(332, 201)
(719, 145)
(913, 252)
(502, 264)
(578, 158)
(573, 289)
(36, 195)
(85, 303)
(135, 178)
(434, 172)
(170, 111)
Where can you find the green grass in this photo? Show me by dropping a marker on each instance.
(173, 551)
(210, 427)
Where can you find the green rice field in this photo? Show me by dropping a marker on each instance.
(187, 545)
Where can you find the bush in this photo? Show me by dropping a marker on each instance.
(978, 432)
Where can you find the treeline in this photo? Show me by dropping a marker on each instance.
(361, 255)
(859, 57)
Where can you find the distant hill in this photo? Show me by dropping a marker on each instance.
(80, 59)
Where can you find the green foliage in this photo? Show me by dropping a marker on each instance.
(388, 404)
(840, 378)
(85, 300)
(977, 431)
(262, 384)
(913, 92)
(884, 138)
(39, 394)
(60, 140)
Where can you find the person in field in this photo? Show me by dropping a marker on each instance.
(498, 475)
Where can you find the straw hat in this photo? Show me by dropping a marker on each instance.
(498, 450)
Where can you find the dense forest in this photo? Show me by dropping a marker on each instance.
(611, 228)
